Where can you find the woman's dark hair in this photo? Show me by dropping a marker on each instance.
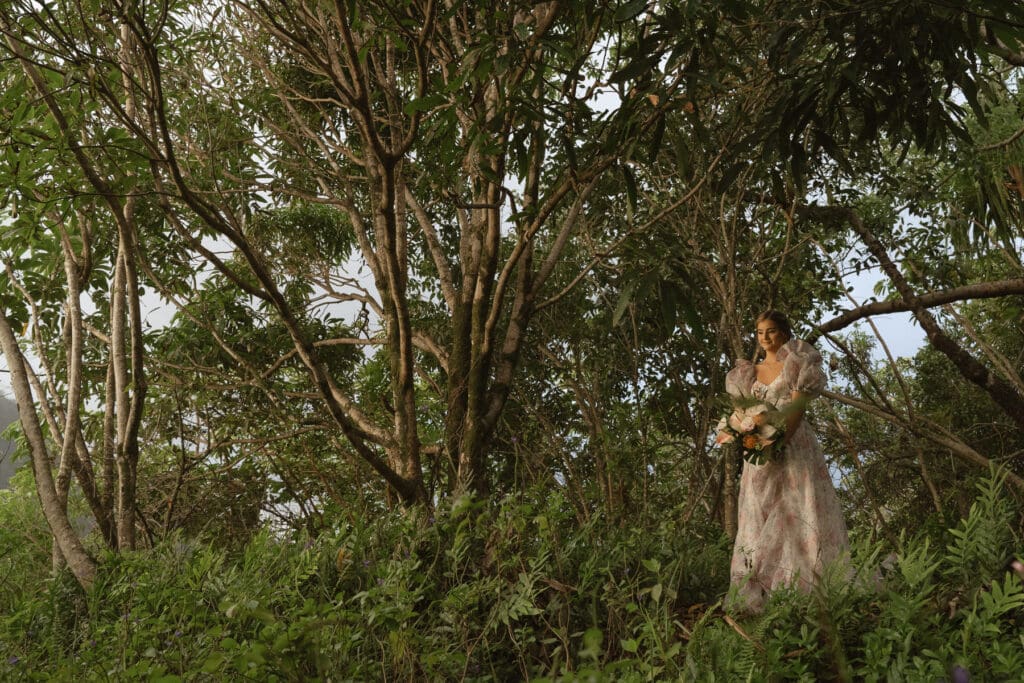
(780, 321)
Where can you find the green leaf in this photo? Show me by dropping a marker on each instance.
(625, 297)
(659, 134)
(669, 308)
(729, 176)
(682, 160)
(637, 67)
(630, 10)
(592, 639)
(631, 191)
(213, 663)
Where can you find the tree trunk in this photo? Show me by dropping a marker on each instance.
(70, 546)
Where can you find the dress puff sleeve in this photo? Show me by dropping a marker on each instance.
(801, 367)
(740, 379)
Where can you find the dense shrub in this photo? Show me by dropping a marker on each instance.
(937, 606)
(520, 590)
(25, 546)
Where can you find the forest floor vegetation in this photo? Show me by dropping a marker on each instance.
(510, 591)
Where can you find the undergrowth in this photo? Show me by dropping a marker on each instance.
(520, 590)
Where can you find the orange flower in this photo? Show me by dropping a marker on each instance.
(750, 441)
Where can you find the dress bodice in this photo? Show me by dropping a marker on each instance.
(776, 392)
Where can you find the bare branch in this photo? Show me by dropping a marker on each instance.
(1004, 143)
(927, 429)
(444, 270)
(981, 290)
(1004, 395)
(599, 258)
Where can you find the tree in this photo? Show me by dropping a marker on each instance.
(418, 124)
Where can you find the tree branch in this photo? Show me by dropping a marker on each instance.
(1004, 395)
(982, 290)
(934, 432)
(66, 538)
(444, 270)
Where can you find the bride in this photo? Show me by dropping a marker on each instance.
(790, 523)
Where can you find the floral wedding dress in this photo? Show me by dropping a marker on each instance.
(790, 523)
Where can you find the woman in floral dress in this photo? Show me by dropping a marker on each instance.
(790, 523)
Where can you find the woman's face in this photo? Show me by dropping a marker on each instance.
(769, 336)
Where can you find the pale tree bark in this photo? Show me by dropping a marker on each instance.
(72, 412)
(77, 269)
(61, 409)
(58, 419)
(126, 343)
(68, 543)
(1015, 57)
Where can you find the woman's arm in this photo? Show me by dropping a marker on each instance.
(794, 412)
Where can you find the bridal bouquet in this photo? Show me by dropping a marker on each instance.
(758, 428)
